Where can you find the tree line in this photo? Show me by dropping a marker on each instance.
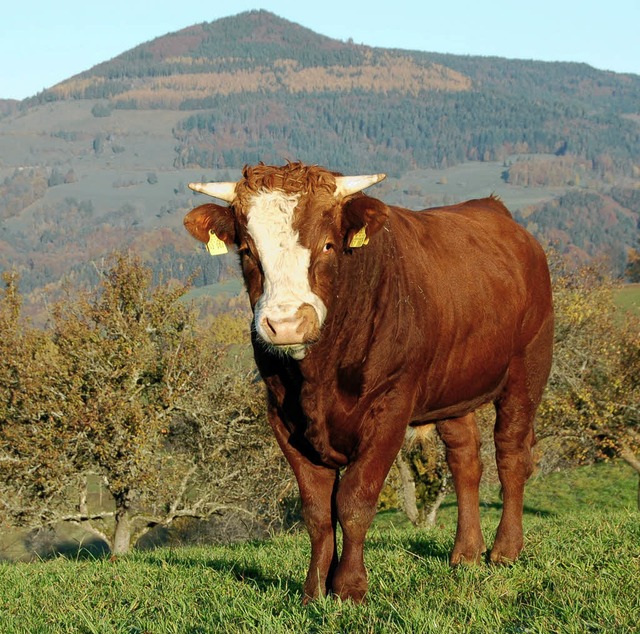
(431, 129)
(587, 225)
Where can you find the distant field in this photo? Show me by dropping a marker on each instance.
(578, 573)
(628, 298)
(229, 287)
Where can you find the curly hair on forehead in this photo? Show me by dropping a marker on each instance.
(294, 177)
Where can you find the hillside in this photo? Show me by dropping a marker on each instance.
(101, 160)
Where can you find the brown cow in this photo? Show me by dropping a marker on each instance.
(369, 318)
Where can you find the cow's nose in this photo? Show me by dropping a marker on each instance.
(283, 331)
(290, 329)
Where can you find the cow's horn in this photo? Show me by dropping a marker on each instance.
(346, 185)
(223, 191)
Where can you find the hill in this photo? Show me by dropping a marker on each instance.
(578, 573)
(102, 159)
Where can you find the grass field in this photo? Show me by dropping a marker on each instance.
(580, 572)
(628, 297)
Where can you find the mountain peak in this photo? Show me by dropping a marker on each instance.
(249, 52)
(242, 35)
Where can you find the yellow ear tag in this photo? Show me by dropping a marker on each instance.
(215, 246)
(359, 239)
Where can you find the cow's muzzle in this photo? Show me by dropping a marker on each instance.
(286, 328)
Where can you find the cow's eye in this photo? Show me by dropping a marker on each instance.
(327, 247)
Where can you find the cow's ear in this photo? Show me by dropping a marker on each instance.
(209, 220)
(362, 218)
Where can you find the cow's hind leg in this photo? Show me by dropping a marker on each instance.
(515, 437)
(462, 440)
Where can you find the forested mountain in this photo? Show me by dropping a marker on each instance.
(101, 160)
(267, 87)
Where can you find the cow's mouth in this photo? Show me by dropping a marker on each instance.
(295, 351)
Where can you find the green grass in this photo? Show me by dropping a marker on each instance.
(580, 572)
(628, 298)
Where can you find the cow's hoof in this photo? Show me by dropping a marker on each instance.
(467, 558)
(504, 555)
(468, 551)
(357, 595)
(506, 548)
(350, 587)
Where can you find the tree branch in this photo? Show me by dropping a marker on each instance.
(182, 490)
(80, 517)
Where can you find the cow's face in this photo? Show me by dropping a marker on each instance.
(290, 226)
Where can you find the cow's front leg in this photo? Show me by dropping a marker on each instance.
(317, 485)
(356, 502)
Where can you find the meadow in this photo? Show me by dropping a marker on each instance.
(580, 572)
(628, 298)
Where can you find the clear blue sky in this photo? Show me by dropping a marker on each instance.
(44, 42)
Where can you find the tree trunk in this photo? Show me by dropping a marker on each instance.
(122, 533)
(409, 503)
(630, 458)
(430, 517)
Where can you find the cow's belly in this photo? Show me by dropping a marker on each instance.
(426, 412)
(457, 389)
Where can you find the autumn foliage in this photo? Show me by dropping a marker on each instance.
(125, 394)
(592, 406)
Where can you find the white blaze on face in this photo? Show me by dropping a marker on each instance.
(285, 262)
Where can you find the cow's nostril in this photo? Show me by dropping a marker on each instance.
(270, 327)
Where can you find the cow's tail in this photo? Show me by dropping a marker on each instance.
(419, 434)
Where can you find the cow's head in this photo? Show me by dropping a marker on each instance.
(290, 225)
